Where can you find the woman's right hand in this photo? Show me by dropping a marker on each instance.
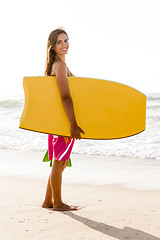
(76, 132)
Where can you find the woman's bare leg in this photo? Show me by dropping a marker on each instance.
(48, 203)
(56, 181)
(54, 188)
(56, 184)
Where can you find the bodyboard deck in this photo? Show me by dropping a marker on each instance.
(103, 109)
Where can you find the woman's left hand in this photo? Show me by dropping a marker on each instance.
(76, 132)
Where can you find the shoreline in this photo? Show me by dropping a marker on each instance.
(107, 212)
(131, 173)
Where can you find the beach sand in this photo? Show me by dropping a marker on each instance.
(107, 212)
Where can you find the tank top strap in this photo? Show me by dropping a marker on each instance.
(72, 74)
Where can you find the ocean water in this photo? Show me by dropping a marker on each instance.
(143, 145)
(132, 162)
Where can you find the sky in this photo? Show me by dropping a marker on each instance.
(115, 40)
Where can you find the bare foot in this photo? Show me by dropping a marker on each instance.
(47, 205)
(64, 207)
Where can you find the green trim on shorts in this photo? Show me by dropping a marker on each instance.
(46, 159)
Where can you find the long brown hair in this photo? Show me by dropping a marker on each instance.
(52, 39)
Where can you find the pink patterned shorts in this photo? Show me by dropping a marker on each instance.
(60, 146)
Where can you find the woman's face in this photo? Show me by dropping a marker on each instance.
(62, 45)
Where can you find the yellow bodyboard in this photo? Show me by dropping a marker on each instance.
(103, 109)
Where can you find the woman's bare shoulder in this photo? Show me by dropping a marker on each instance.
(58, 66)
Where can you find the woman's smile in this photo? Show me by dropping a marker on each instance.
(62, 45)
(64, 49)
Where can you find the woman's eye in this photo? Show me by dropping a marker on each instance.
(66, 40)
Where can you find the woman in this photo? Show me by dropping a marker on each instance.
(57, 48)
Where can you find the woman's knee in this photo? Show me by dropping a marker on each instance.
(60, 165)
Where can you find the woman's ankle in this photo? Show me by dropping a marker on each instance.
(58, 203)
(47, 204)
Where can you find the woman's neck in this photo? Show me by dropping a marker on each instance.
(61, 57)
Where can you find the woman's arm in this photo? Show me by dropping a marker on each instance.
(62, 80)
